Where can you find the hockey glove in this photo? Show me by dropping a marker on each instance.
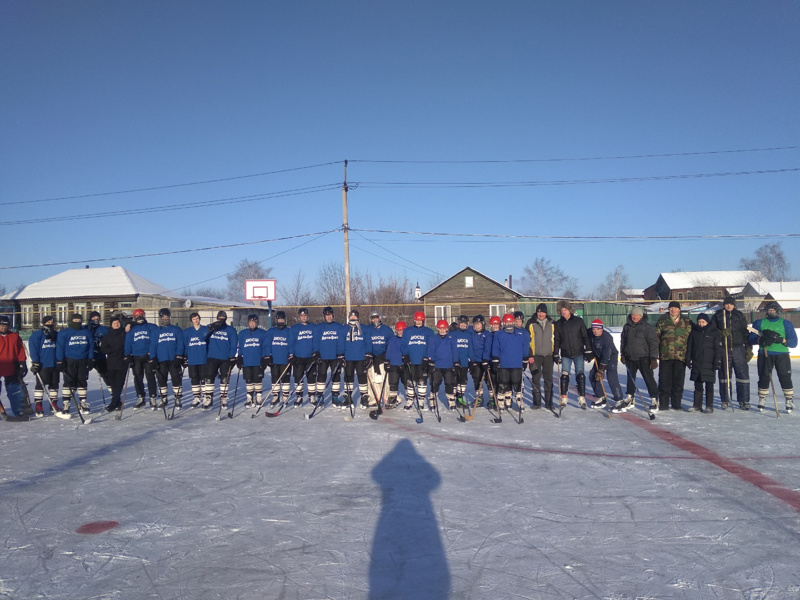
(622, 359)
(770, 337)
(598, 376)
(557, 359)
(35, 368)
(22, 369)
(485, 364)
(368, 358)
(588, 356)
(495, 363)
(342, 361)
(61, 367)
(89, 364)
(240, 361)
(266, 361)
(406, 359)
(748, 353)
(128, 360)
(215, 326)
(653, 364)
(233, 361)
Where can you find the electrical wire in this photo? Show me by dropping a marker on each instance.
(583, 237)
(172, 252)
(403, 258)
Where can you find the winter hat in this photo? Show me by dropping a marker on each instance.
(704, 317)
(597, 324)
(542, 308)
(93, 314)
(564, 304)
(674, 304)
(47, 319)
(222, 315)
(729, 300)
(115, 318)
(637, 310)
(78, 316)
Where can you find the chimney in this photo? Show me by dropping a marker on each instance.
(510, 284)
(505, 282)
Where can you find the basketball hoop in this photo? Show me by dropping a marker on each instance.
(259, 290)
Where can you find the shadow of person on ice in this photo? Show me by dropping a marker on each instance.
(408, 558)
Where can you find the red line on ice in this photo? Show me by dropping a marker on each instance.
(751, 476)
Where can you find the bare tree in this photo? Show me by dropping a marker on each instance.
(613, 285)
(2, 289)
(770, 260)
(206, 292)
(297, 293)
(245, 269)
(542, 278)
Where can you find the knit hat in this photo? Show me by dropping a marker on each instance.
(637, 310)
(729, 300)
(674, 304)
(597, 324)
(704, 317)
(115, 318)
(542, 308)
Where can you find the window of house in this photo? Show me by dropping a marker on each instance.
(497, 310)
(719, 293)
(442, 312)
(98, 306)
(688, 295)
(61, 312)
(27, 315)
(680, 296)
(469, 281)
(80, 309)
(126, 304)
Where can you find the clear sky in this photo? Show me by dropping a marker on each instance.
(104, 97)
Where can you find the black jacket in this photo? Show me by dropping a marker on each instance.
(705, 351)
(570, 337)
(736, 323)
(113, 346)
(639, 340)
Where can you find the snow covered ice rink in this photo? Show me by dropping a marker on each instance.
(686, 506)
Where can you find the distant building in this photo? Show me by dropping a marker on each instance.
(756, 294)
(699, 285)
(633, 294)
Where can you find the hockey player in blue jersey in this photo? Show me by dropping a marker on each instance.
(222, 345)
(357, 354)
(75, 358)
(278, 359)
(329, 354)
(167, 350)
(195, 341)
(442, 360)
(396, 370)
(463, 338)
(252, 351)
(510, 350)
(415, 357)
(42, 347)
(489, 366)
(476, 350)
(379, 335)
(301, 351)
(137, 351)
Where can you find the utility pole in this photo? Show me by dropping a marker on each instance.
(346, 230)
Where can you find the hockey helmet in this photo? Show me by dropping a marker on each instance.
(374, 314)
(518, 314)
(495, 320)
(441, 323)
(463, 319)
(328, 310)
(419, 316)
(253, 317)
(164, 312)
(138, 313)
(400, 326)
(508, 321)
(280, 315)
(477, 319)
(302, 311)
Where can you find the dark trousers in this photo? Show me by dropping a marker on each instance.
(449, 378)
(509, 380)
(782, 365)
(542, 370)
(613, 383)
(76, 372)
(671, 374)
(116, 381)
(643, 365)
(397, 374)
(143, 369)
(735, 361)
(167, 368)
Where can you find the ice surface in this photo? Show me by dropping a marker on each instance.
(585, 506)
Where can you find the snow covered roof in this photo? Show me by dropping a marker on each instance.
(787, 300)
(770, 287)
(691, 279)
(105, 281)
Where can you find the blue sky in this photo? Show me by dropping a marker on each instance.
(114, 96)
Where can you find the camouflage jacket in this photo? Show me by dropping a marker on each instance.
(673, 337)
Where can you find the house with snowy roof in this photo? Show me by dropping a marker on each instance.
(699, 285)
(756, 294)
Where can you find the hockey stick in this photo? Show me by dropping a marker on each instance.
(102, 391)
(646, 405)
(464, 418)
(416, 399)
(73, 395)
(321, 402)
(774, 396)
(727, 361)
(27, 409)
(283, 404)
(55, 410)
(271, 390)
(235, 391)
(521, 398)
(499, 418)
(349, 396)
(433, 395)
(374, 414)
(174, 397)
(603, 385)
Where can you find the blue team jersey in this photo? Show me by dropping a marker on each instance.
(511, 348)
(195, 343)
(379, 337)
(42, 349)
(329, 340)
(394, 351)
(356, 343)
(253, 346)
(167, 343)
(464, 344)
(222, 344)
(98, 333)
(478, 344)
(415, 343)
(487, 345)
(443, 351)
(75, 344)
(137, 340)
(278, 344)
(301, 340)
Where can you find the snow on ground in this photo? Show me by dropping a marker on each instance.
(585, 506)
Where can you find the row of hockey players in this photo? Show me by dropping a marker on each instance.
(721, 344)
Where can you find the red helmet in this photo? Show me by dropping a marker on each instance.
(495, 320)
(138, 313)
(400, 326)
(442, 323)
(508, 318)
(419, 316)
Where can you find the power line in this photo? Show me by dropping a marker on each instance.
(587, 237)
(171, 207)
(172, 252)
(174, 185)
(491, 184)
(571, 159)
(430, 271)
